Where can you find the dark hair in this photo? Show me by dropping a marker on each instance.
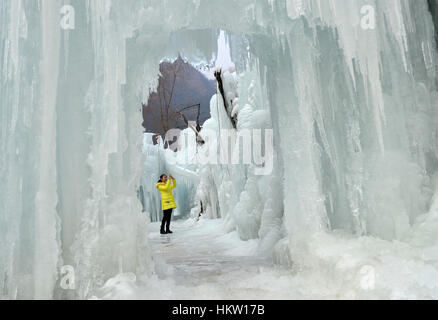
(161, 178)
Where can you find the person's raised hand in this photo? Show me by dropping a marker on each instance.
(170, 176)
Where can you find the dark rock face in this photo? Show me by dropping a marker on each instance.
(433, 8)
(181, 87)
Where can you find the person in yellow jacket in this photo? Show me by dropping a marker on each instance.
(167, 200)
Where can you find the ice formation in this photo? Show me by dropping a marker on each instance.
(348, 87)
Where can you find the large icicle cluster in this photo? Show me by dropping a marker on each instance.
(248, 202)
(69, 151)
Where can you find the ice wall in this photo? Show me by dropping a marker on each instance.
(71, 153)
(362, 152)
(153, 165)
(28, 159)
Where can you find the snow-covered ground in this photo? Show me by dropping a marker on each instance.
(200, 261)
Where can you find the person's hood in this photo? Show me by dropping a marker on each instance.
(158, 183)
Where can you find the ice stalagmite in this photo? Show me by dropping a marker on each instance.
(30, 251)
(47, 246)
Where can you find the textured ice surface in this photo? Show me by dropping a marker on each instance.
(154, 166)
(354, 112)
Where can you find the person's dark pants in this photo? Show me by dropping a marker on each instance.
(167, 215)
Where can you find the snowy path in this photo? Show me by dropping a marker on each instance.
(201, 261)
(204, 262)
(203, 253)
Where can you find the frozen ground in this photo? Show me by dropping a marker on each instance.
(200, 261)
(201, 253)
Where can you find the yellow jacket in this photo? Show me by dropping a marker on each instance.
(167, 200)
